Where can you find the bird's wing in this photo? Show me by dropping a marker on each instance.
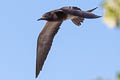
(84, 14)
(92, 9)
(44, 43)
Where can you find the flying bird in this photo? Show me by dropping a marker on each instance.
(54, 20)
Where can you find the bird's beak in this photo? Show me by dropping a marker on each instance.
(43, 18)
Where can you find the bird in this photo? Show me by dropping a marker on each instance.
(54, 19)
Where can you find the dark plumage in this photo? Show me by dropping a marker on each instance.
(55, 19)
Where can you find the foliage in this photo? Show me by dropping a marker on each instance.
(112, 13)
(118, 77)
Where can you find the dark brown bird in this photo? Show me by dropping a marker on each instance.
(54, 20)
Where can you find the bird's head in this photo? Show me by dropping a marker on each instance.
(55, 15)
(49, 16)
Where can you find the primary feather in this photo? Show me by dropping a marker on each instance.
(44, 43)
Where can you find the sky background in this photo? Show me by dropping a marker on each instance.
(78, 53)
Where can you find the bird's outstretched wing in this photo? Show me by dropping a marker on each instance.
(44, 43)
(84, 14)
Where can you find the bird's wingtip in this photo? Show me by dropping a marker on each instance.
(37, 72)
(92, 9)
(36, 75)
(94, 16)
(96, 7)
(98, 16)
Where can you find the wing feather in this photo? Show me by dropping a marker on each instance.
(84, 14)
(44, 43)
(92, 9)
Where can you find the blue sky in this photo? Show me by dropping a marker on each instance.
(78, 53)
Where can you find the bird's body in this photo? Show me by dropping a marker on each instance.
(55, 19)
(69, 16)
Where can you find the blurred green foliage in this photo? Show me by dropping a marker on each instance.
(118, 77)
(112, 13)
